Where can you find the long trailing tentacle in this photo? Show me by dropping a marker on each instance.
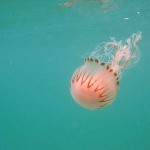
(124, 54)
(134, 40)
(119, 55)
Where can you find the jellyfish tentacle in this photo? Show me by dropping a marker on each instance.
(119, 55)
(124, 54)
(134, 41)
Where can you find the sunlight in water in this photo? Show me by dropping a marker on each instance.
(105, 5)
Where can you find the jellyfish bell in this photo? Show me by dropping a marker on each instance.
(94, 85)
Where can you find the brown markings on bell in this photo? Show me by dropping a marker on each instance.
(107, 67)
(96, 89)
(88, 86)
(101, 95)
(74, 76)
(106, 95)
(83, 77)
(91, 59)
(101, 106)
(102, 63)
(110, 99)
(72, 80)
(105, 99)
(115, 74)
(111, 70)
(82, 81)
(96, 60)
(78, 76)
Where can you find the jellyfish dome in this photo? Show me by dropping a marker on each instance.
(94, 85)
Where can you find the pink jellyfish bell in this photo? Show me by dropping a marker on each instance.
(95, 84)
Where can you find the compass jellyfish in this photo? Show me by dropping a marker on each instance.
(94, 85)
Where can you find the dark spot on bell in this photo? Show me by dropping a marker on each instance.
(115, 74)
(96, 60)
(111, 70)
(102, 63)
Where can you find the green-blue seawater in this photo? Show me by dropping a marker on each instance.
(42, 42)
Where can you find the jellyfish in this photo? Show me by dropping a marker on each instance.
(94, 85)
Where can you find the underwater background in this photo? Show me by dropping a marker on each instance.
(42, 42)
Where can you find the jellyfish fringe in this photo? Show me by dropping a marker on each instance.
(119, 55)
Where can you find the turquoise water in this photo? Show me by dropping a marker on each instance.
(41, 44)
